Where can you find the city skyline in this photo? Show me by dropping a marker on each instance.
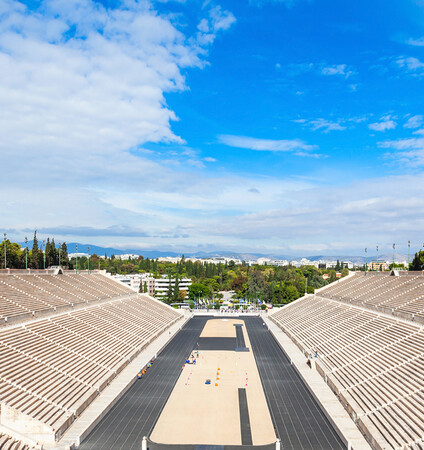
(272, 127)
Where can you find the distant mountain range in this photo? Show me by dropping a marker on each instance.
(153, 254)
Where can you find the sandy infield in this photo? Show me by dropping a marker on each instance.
(197, 413)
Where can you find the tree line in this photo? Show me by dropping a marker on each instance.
(18, 257)
(271, 284)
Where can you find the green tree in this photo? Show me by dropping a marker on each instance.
(176, 291)
(197, 291)
(418, 261)
(35, 253)
(64, 258)
(170, 291)
(256, 284)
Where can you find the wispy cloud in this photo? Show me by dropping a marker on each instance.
(385, 123)
(321, 124)
(419, 42)
(260, 3)
(409, 151)
(218, 20)
(270, 145)
(412, 65)
(339, 69)
(370, 204)
(414, 121)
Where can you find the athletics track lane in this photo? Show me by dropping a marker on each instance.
(136, 412)
(298, 419)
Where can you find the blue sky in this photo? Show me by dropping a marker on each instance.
(278, 127)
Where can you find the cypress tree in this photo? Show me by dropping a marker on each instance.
(64, 258)
(169, 294)
(35, 253)
(48, 252)
(53, 254)
(176, 289)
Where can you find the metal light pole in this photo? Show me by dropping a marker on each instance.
(377, 258)
(394, 245)
(88, 259)
(26, 253)
(76, 256)
(366, 260)
(44, 254)
(409, 248)
(5, 251)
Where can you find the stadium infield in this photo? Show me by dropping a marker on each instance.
(296, 417)
(232, 409)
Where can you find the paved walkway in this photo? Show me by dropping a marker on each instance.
(322, 393)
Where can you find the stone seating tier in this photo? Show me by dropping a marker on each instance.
(52, 368)
(372, 361)
(401, 296)
(27, 296)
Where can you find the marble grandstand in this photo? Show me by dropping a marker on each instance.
(9, 443)
(368, 333)
(63, 338)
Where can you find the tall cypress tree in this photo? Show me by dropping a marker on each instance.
(35, 253)
(64, 258)
(53, 255)
(48, 252)
(169, 294)
(176, 289)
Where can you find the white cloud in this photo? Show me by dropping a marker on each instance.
(282, 145)
(415, 42)
(339, 69)
(218, 20)
(321, 124)
(409, 151)
(411, 64)
(414, 122)
(82, 89)
(100, 91)
(386, 123)
(342, 70)
(221, 19)
(361, 214)
(209, 159)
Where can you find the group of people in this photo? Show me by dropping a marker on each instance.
(144, 369)
(192, 359)
(308, 362)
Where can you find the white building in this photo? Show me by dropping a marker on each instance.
(127, 256)
(75, 255)
(157, 287)
(135, 280)
(162, 285)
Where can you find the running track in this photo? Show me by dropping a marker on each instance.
(298, 420)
